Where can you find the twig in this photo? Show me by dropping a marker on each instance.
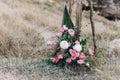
(92, 24)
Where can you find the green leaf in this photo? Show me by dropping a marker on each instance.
(66, 19)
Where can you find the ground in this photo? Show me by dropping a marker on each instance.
(26, 26)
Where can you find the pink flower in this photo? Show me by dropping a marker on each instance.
(80, 61)
(73, 57)
(91, 52)
(59, 33)
(68, 60)
(71, 32)
(81, 55)
(74, 54)
(55, 60)
(77, 54)
(77, 42)
(65, 28)
(59, 56)
(62, 29)
(51, 43)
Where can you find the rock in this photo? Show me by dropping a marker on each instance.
(85, 2)
(117, 24)
(100, 27)
(114, 45)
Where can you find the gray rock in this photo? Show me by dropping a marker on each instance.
(114, 45)
(85, 2)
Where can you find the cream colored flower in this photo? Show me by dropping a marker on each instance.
(64, 44)
(77, 47)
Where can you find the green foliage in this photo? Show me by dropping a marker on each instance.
(66, 19)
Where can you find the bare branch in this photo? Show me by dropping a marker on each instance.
(92, 24)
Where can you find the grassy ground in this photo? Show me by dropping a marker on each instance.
(26, 25)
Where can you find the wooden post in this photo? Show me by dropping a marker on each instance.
(79, 13)
(92, 24)
(70, 6)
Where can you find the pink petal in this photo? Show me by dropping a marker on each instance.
(68, 60)
(73, 57)
(52, 44)
(77, 42)
(59, 33)
(82, 55)
(80, 61)
(65, 28)
(56, 59)
(72, 52)
(77, 54)
(71, 32)
(59, 56)
(62, 29)
(53, 60)
(91, 52)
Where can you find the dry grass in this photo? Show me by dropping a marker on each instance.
(26, 25)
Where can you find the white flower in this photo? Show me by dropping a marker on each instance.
(64, 44)
(64, 26)
(87, 64)
(77, 47)
(48, 42)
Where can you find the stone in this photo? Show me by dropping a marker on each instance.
(114, 45)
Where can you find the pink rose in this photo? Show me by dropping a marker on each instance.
(82, 55)
(59, 56)
(91, 52)
(77, 54)
(74, 54)
(71, 32)
(59, 33)
(51, 43)
(55, 60)
(73, 57)
(80, 61)
(68, 60)
(77, 42)
(62, 29)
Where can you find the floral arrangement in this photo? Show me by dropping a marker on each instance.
(70, 48)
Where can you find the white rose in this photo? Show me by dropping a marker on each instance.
(77, 47)
(64, 44)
